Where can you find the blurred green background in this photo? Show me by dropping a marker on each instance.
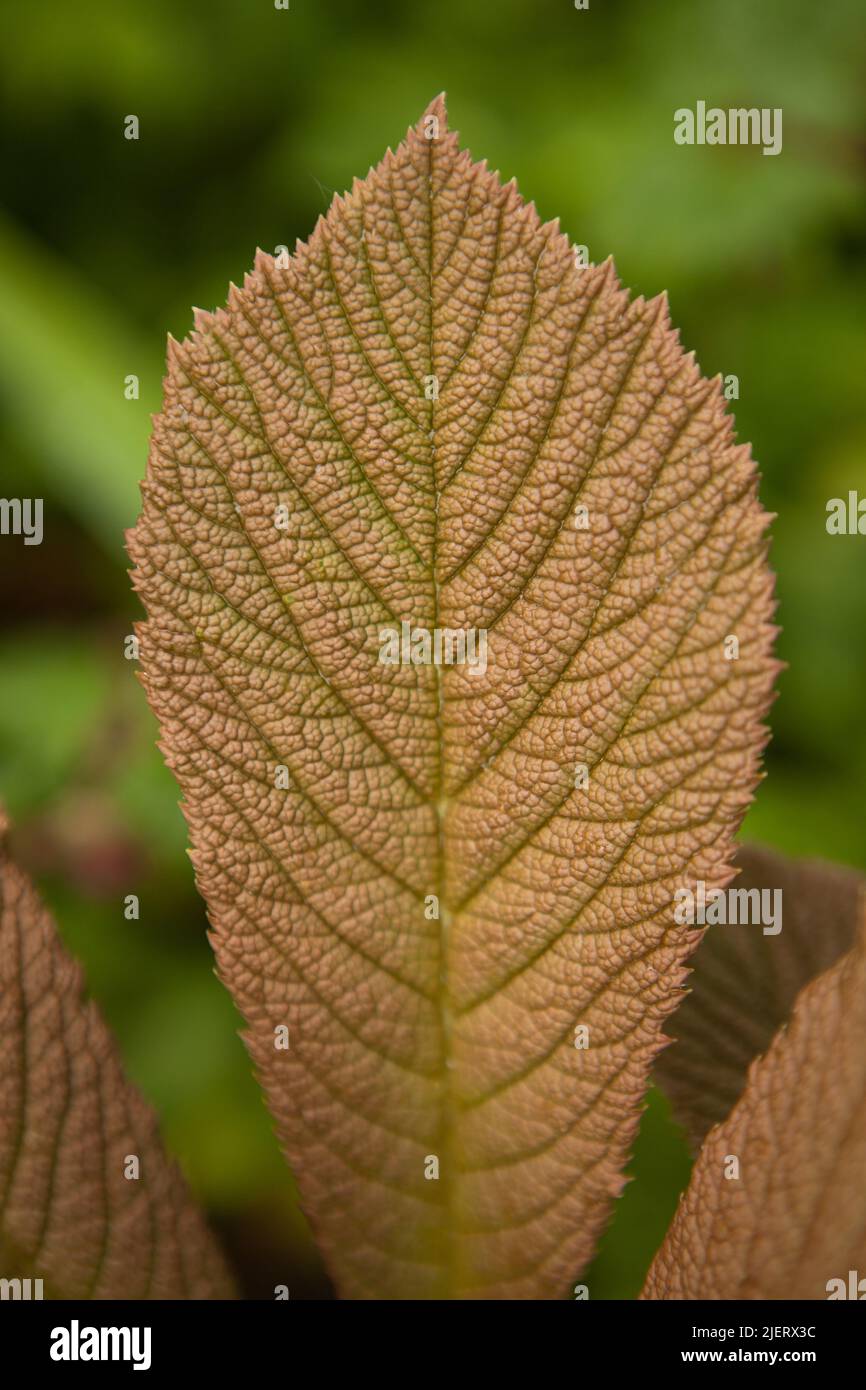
(250, 118)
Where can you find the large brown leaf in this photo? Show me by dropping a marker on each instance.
(403, 424)
(795, 1217)
(745, 981)
(69, 1123)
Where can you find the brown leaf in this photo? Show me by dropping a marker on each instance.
(403, 425)
(745, 981)
(69, 1120)
(795, 1218)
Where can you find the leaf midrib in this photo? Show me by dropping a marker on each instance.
(440, 808)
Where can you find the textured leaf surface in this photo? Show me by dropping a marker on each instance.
(453, 1037)
(796, 1216)
(745, 982)
(68, 1121)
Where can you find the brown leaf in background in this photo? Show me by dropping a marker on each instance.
(796, 1216)
(432, 415)
(745, 982)
(68, 1121)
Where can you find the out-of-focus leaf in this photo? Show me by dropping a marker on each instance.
(404, 863)
(745, 982)
(73, 1211)
(791, 1217)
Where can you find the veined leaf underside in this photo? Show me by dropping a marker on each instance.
(432, 415)
(776, 1205)
(75, 1212)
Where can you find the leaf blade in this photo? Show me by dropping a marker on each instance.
(744, 982)
(69, 1119)
(796, 1216)
(428, 389)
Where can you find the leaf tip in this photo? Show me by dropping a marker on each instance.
(438, 108)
